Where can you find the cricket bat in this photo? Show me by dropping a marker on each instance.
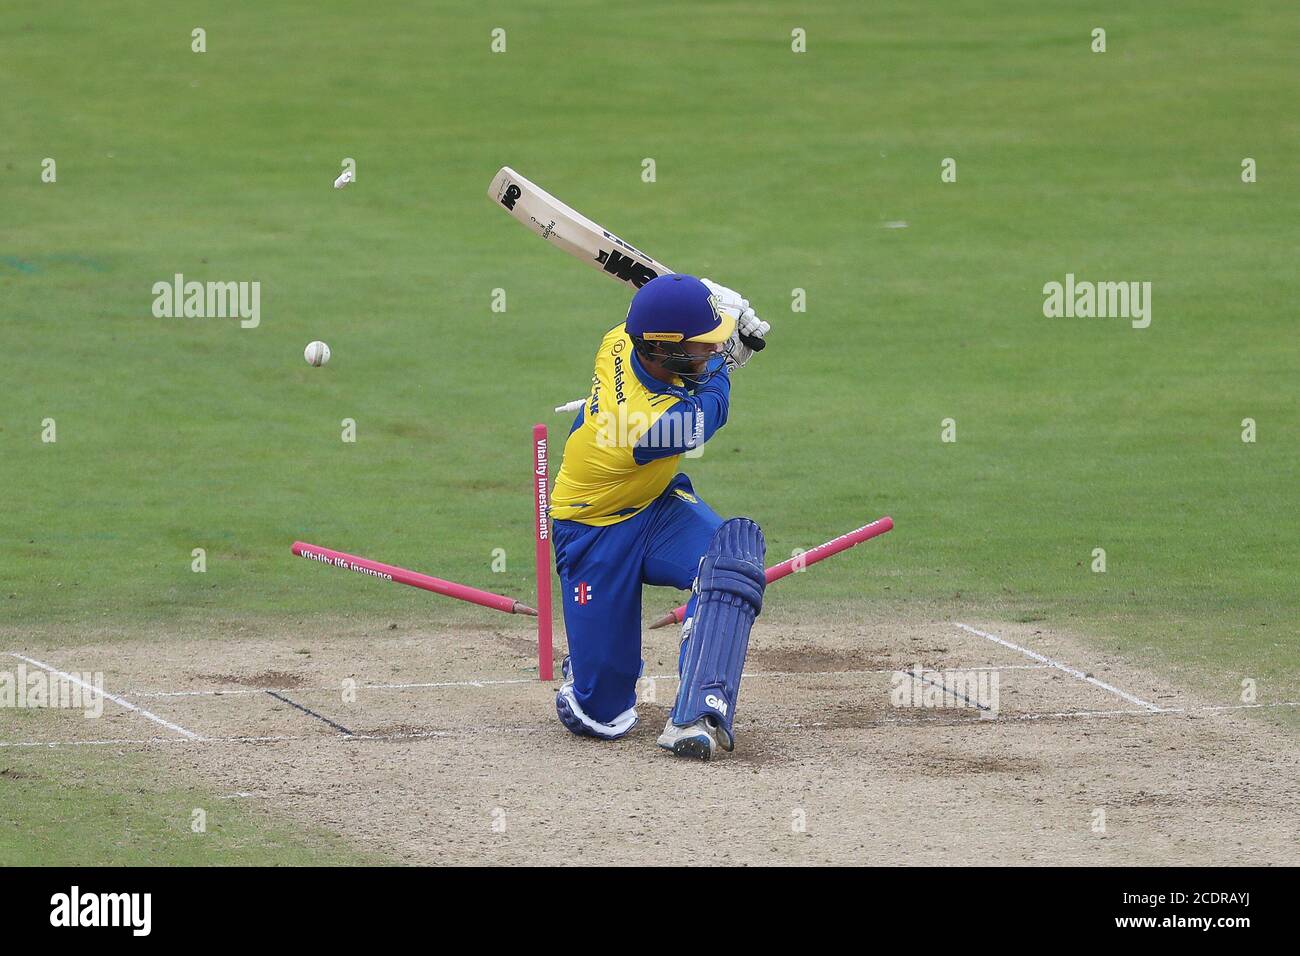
(577, 235)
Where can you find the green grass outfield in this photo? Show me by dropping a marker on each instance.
(97, 807)
(775, 171)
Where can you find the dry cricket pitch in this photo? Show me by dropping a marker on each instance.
(451, 753)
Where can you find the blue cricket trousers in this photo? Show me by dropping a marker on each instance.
(601, 573)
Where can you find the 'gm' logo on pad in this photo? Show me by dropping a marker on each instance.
(717, 703)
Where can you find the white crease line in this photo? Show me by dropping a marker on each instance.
(972, 721)
(1285, 703)
(177, 728)
(97, 743)
(333, 688)
(1061, 667)
(1147, 712)
(277, 738)
(791, 726)
(480, 683)
(878, 670)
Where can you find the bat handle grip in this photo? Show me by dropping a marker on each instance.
(753, 342)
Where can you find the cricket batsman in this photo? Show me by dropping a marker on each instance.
(624, 516)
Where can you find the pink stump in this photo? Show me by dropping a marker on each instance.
(542, 535)
(389, 572)
(820, 553)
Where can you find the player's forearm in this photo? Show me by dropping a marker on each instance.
(714, 397)
(689, 423)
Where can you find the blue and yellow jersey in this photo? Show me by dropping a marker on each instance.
(627, 440)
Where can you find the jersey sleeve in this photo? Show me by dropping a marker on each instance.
(689, 422)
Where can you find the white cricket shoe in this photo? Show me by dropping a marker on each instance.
(699, 740)
(572, 716)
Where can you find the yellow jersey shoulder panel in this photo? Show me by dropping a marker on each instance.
(600, 482)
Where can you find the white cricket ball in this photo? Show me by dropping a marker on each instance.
(316, 354)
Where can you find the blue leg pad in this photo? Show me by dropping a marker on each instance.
(728, 596)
